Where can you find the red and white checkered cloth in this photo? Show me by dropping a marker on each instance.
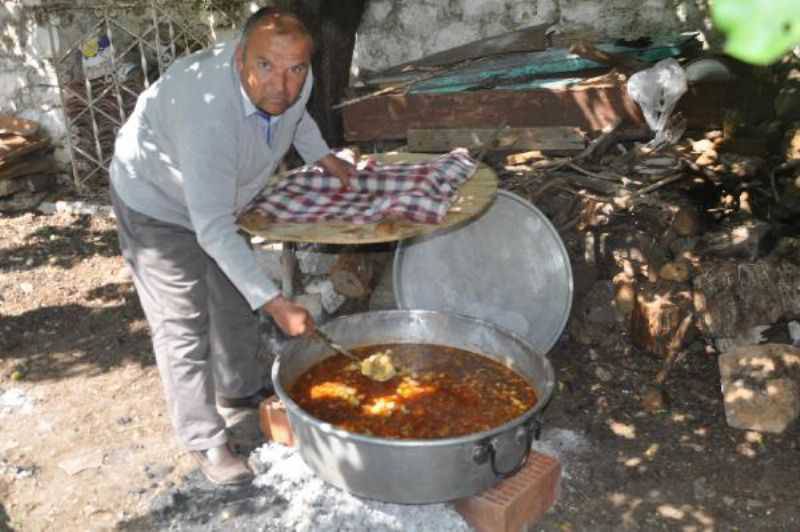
(421, 192)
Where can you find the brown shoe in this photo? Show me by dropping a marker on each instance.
(251, 401)
(222, 467)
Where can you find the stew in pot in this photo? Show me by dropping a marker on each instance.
(440, 392)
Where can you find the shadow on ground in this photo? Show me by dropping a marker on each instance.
(60, 341)
(5, 521)
(62, 246)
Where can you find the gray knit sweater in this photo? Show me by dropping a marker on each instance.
(194, 152)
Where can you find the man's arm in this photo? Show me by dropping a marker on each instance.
(313, 149)
(208, 164)
(308, 140)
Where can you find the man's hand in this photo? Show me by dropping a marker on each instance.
(291, 317)
(339, 168)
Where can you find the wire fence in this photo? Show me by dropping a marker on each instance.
(106, 54)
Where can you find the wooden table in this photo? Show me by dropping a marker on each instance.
(473, 198)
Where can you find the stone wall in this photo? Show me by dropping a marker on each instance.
(28, 85)
(396, 31)
(393, 31)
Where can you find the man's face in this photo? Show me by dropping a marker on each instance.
(273, 68)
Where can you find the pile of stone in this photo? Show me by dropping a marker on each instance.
(330, 280)
(28, 168)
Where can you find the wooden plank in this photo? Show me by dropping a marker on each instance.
(494, 69)
(33, 183)
(14, 147)
(473, 198)
(33, 164)
(590, 108)
(530, 138)
(11, 125)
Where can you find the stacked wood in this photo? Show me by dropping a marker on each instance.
(27, 166)
(731, 297)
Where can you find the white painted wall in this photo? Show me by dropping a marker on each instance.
(28, 85)
(393, 31)
(397, 31)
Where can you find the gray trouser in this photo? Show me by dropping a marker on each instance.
(205, 336)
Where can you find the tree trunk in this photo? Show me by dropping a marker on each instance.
(333, 26)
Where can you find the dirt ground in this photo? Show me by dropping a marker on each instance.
(96, 449)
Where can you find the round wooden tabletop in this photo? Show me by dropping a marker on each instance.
(473, 198)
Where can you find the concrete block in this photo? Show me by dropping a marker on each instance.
(275, 421)
(517, 502)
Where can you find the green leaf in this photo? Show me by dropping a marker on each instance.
(758, 31)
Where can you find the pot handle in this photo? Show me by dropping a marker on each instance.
(487, 450)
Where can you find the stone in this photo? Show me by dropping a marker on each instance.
(313, 262)
(331, 299)
(47, 208)
(603, 374)
(82, 461)
(794, 332)
(760, 387)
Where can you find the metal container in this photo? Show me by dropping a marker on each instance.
(414, 471)
(508, 267)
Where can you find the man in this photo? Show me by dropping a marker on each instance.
(201, 142)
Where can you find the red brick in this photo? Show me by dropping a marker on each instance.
(275, 421)
(518, 502)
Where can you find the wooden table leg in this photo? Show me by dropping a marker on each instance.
(289, 267)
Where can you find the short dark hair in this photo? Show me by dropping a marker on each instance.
(283, 21)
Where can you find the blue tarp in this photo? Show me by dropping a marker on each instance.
(545, 69)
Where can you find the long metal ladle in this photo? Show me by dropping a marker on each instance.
(336, 347)
(378, 367)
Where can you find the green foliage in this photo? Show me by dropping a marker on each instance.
(758, 31)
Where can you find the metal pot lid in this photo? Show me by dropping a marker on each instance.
(508, 267)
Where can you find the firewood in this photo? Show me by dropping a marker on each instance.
(352, 274)
(659, 311)
(12, 125)
(747, 240)
(732, 296)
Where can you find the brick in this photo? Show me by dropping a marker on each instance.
(518, 502)
(275, 421)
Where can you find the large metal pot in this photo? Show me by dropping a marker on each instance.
(414, 471)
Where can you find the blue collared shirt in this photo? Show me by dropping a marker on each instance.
(267, 121)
